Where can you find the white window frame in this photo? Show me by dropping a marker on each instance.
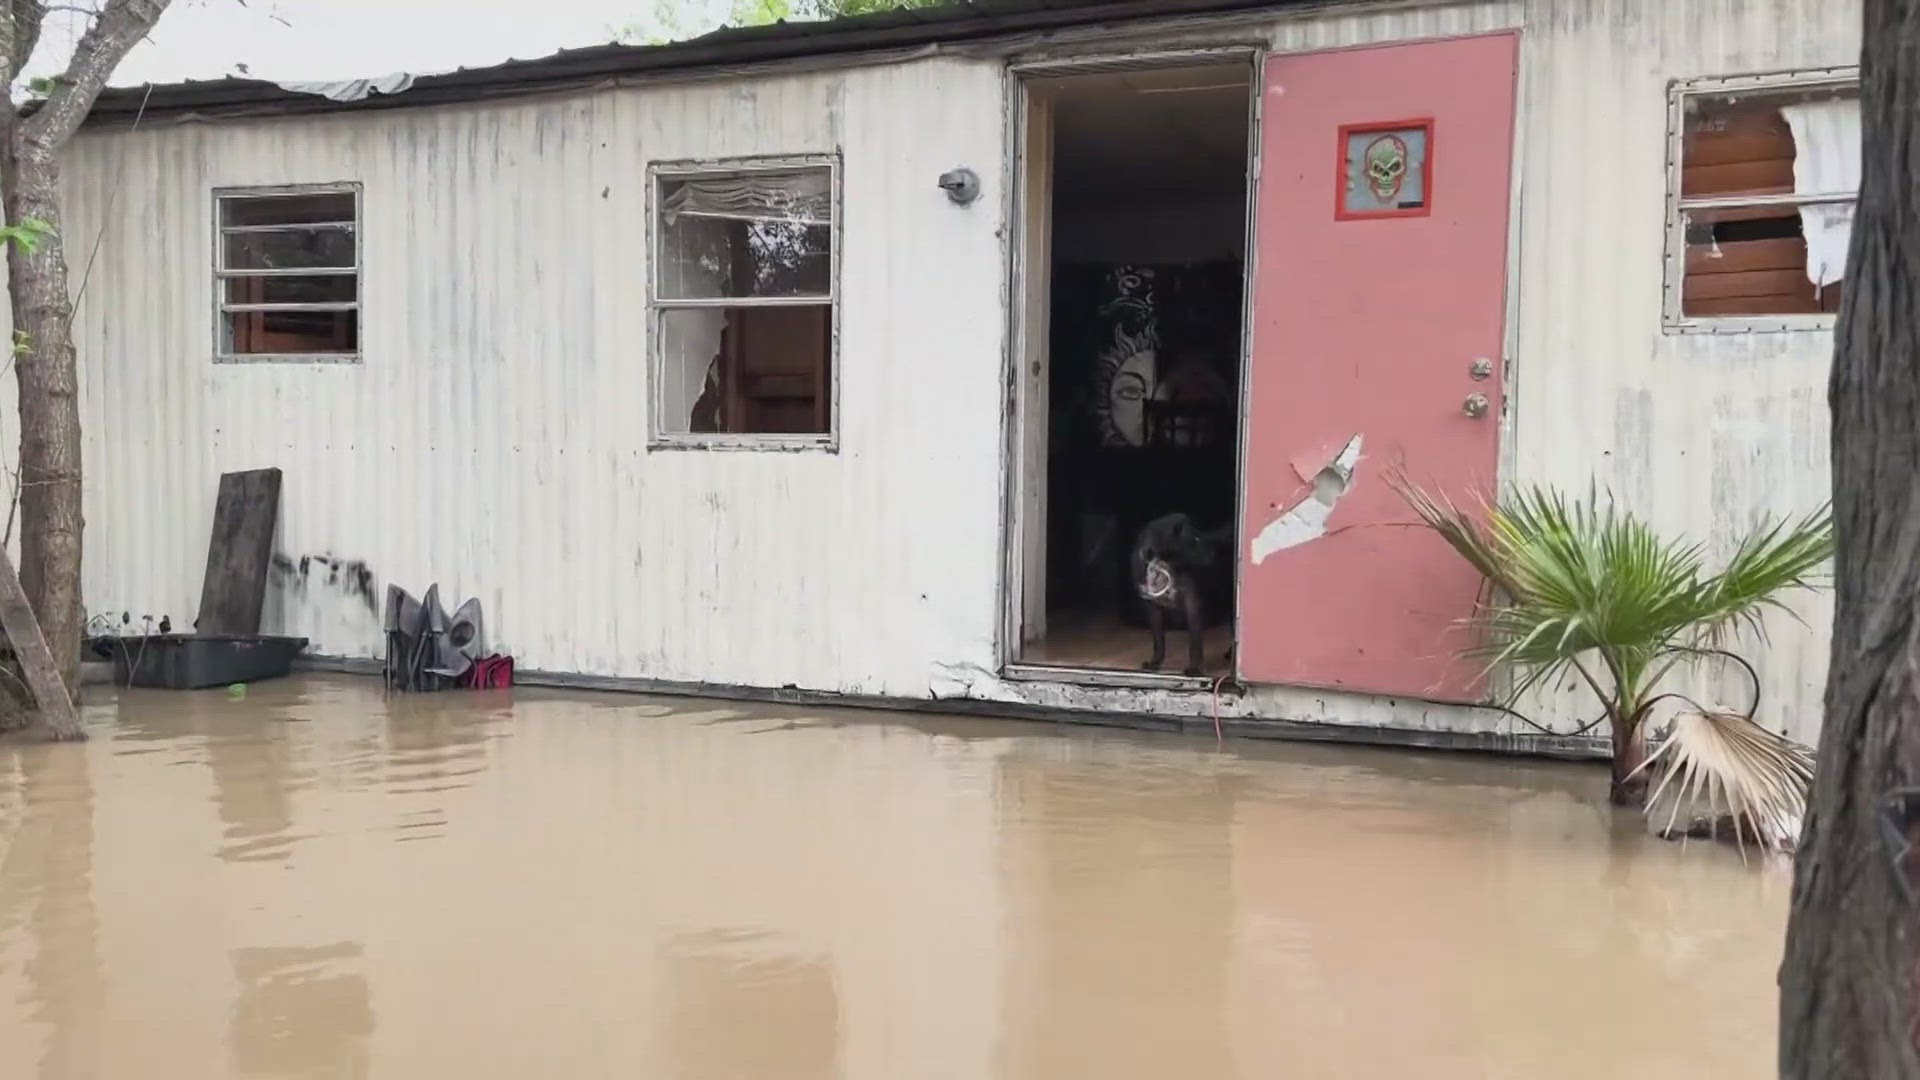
(1678, 91)
(658, 435)
(222, 353)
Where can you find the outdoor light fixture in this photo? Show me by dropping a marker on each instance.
(961, 185)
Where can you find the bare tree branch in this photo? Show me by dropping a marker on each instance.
(26, 16)
(119, 27)
(20, 22)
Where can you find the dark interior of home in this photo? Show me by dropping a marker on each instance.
(1145, 386)
(1148, 272)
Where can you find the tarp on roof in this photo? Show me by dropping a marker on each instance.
(352, 89)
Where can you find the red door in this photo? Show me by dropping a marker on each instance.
(1378, 313)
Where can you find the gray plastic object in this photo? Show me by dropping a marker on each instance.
(448, 639)
(465, 632)
(194, 662)
(403, 611)
(961, 185)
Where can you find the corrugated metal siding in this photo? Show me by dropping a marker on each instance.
(494, 438)
(1700, 431)
(1377, 24)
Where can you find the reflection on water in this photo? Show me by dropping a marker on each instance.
(49, 921)
(301, 1012)
(1121, 918)
(314, 881)
(740, 1008)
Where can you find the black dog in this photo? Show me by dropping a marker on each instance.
(1180, 568)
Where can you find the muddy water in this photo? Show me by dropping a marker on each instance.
(312, 882)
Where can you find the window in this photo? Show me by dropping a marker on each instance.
(742, 296)
(1763, 173)
(287, 273)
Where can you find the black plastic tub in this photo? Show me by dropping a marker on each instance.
(194, 661)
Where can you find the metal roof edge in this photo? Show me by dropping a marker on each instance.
(732, 47)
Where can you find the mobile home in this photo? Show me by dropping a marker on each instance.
(846, 359)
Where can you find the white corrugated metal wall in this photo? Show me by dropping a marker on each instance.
(1701, 431)
(494, 438)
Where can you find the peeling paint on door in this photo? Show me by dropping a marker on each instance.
(1307, 519)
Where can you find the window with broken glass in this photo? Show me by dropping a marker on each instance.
(287, 273)
(743, 294)
(1764, 173)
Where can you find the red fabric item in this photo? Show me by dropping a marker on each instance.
(491, 673)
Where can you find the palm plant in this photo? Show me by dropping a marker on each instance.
(1584, 587)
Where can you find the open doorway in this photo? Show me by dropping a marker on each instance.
(1135, 195)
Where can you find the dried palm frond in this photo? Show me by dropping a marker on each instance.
(1723, 763)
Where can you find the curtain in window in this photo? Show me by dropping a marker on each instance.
(801, 197)
(1826, 160)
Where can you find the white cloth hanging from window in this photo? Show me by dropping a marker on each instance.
(1826, 160)
(800, 197)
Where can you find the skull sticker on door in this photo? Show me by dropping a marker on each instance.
(1386, 170)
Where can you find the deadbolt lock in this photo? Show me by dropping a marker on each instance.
(1481, 368)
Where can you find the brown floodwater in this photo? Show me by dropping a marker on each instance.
(312, 881)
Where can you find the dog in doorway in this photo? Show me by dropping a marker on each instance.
(1185, 572)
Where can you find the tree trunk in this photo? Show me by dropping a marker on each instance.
(50, 507)
(1850, 982)
(1629, 787)
(50, 512)
(56, 709)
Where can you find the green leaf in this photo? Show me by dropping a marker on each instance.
(29, 233)
(760, 12)
(1577, 577)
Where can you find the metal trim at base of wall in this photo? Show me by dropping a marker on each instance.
(1566, 748)
(1067, 675)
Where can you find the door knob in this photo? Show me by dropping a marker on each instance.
(1475, 406)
